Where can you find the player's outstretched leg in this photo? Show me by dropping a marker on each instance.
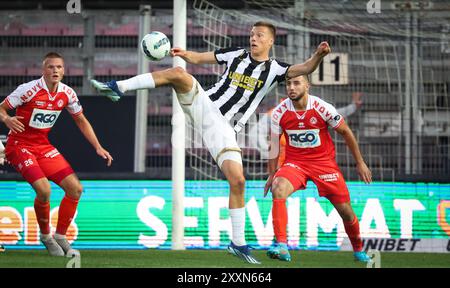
(176, 77)
(108, 89)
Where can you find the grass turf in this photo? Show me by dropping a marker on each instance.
(214, 259)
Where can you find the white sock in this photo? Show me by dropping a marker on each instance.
(45, 236)
(238, 226)
(143, 81)
(59, 236)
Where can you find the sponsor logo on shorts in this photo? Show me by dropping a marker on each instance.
(304, 138)
(24, 150)
(292, 165)
(42, 119)
(52, 154)
(329, 177)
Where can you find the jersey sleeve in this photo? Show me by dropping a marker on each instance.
(73, 106)
(14, 99)
(281, 71)
(224, 55)
(335, 119)
(275, 127)
(327, 111)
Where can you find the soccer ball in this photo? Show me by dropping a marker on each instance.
(155, 46)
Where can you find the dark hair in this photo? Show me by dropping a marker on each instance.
(52, 55)
(305, 76)
(268, 25)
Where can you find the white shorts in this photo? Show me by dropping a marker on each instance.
(217, 134)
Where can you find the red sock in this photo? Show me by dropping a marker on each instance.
(352, 229)
(280, 219)
(66, 212)
(42, 210)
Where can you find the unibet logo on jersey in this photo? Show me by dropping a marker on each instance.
(43, 119)
(244, 81)
(304, 138)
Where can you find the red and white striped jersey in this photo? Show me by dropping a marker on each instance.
(306, 132)
(40, 109)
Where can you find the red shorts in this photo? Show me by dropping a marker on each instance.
(325, 174)
(38, 161)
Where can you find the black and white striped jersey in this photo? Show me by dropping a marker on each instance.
(243, 84)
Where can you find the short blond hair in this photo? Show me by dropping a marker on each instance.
(269, 25)
(51, 55)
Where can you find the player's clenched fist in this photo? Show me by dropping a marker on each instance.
(323, 49)
(177, 52)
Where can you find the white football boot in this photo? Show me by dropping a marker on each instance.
(65, 245)
(52, 247)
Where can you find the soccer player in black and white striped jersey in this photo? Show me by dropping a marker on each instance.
(249, 76)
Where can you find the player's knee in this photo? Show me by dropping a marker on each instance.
(78, 190)
(43, 192)
(178, 74)
(75, 191)
(279, 189)
(237, 184)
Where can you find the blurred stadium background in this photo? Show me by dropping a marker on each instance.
(396, 54)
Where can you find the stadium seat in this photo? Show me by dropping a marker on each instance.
(131, 29)
(12, 71)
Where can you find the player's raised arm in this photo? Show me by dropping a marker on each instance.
(194, 57)
(363, 171)
(88, 132)
(311, 64)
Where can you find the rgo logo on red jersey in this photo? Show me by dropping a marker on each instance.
(304, 138)
(43, 119)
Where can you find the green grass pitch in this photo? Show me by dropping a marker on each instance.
(214, 259)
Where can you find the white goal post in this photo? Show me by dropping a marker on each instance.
(178, 132)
